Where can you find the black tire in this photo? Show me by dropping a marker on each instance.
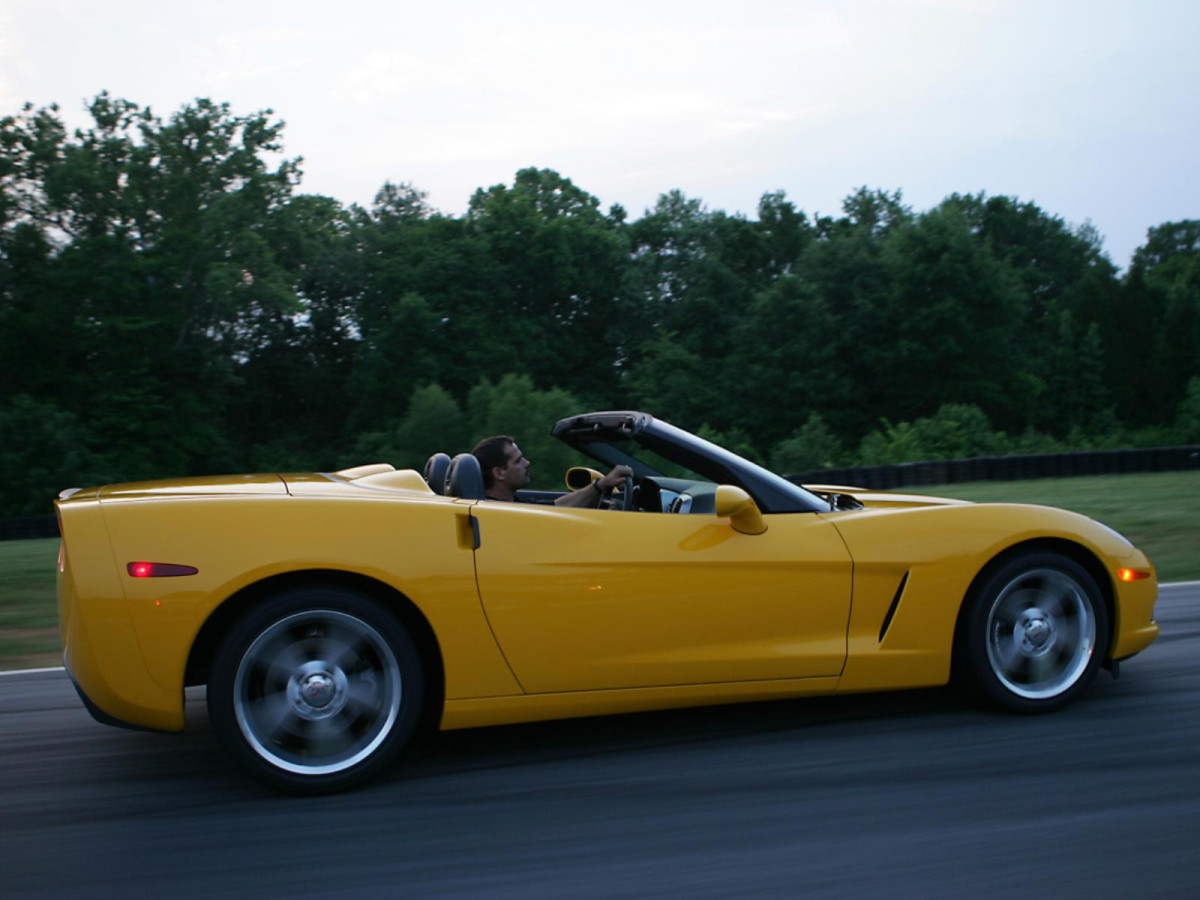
(1034, 633)
(315, 689)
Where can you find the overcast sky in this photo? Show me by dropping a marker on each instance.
(1090, 109)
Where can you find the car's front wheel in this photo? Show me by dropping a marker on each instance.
(316, 689)
(1035, 631)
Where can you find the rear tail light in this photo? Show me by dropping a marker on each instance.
(158, 570)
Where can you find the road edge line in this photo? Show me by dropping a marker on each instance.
(31, 671)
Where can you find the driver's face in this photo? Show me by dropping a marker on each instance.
(516, 468)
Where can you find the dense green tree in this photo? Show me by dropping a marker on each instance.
(785, 233)
(1187, 419)
(1060, 271)
(434, 423)
(555, 262)
(954, 431)
(158, 260)
(169, 304)
(695, 287)
(673, 380)
(785, 362)
(810, 447)
(847, 269)
(949, 326)
(41, 453)
(1154, 336)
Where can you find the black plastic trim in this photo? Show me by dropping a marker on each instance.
(887, 620)
(101, 716)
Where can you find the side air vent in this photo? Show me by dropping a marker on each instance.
(887, 620)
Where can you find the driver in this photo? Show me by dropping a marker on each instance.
(506, 470)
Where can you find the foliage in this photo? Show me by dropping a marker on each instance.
(1187, 420)
(41, 453)
(433, 423)
(28, 615)
(736, 439)
(955, 431)
(170, 305)
(811, 447)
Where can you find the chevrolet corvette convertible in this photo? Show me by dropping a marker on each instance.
(333, 614)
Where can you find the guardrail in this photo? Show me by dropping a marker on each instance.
(1008, 468)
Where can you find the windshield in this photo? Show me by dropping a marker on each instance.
(663, 450)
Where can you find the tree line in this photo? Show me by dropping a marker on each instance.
(171, 303)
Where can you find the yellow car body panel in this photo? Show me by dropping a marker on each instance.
(100, 645)
(558, 612)
(136, 634)
(941, 546)
(591, 599)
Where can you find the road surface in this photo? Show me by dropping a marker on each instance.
(903, 794)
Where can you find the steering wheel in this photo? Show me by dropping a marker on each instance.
(627, 495)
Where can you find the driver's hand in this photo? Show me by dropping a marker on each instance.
(616, 477)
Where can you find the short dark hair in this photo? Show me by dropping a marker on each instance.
(492, 453)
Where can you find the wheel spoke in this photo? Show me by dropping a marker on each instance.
(1007, 651)
(362, 698)
(343, 653)
(284, 665)
(271, 714)
(1041, 668)
(1051, 597)
(1069, 632)
(1010, 609)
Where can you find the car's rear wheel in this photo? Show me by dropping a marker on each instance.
(1035, 632)
(316, 689)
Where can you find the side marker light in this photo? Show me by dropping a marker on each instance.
(1132, 574)
(158, 570)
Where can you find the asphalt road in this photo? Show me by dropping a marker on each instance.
(906, 794)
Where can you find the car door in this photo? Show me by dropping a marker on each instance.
(590, 599)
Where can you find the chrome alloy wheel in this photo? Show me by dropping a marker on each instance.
(1041, 633)
(317, 692)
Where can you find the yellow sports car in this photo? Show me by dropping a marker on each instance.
(332, 614)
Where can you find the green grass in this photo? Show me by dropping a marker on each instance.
(28, 616)
(1159, 511)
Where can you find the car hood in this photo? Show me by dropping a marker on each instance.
(882, 499)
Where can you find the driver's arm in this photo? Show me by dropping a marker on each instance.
(590, 496)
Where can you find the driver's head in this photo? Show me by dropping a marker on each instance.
(500, 459)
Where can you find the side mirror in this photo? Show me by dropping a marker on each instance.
(581, 476)
(741, 510)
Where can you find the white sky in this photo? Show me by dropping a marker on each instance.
(1089, 109)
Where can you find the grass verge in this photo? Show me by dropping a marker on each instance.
(28, 616)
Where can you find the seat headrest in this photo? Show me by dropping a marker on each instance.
(437, 468)
(465, 479)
